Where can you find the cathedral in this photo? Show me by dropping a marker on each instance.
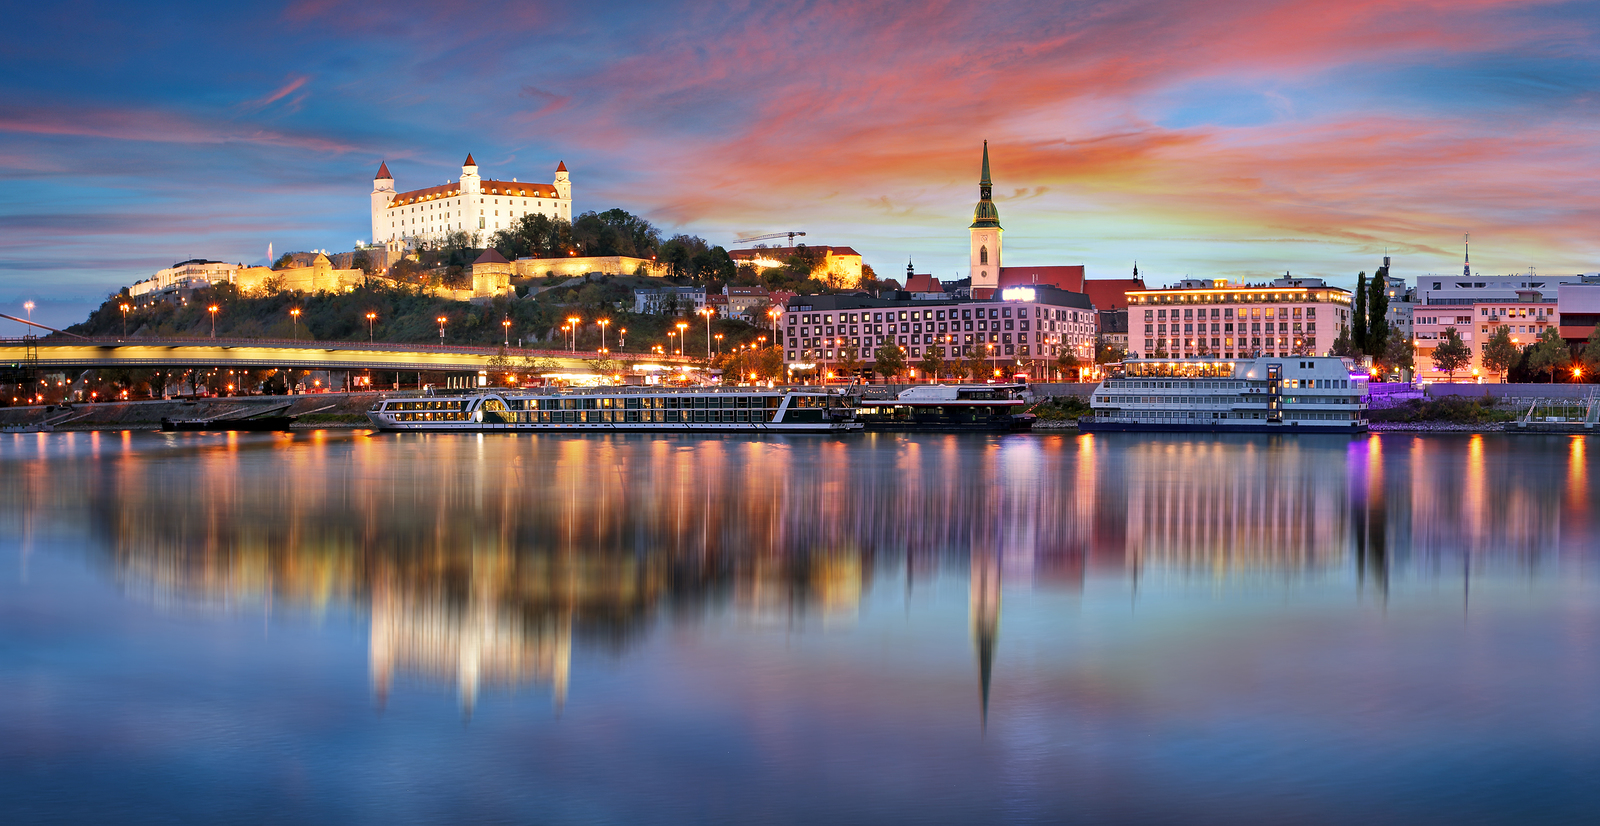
(473, 205)
(989, 275)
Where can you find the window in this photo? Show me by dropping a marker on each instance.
(983, 255)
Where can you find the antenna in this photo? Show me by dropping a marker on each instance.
(1466, 264)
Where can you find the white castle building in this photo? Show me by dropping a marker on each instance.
(472, 205)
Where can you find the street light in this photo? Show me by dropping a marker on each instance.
(28, 305)
(708, 313)
(573, 321)
(295, 314)
(992, 365)
(719, 344)
(622, 345)
(371, 317)
(507, 325)
(124, 319)
(603, 322)
(682, 325)
(671, 336)
(213, 311)
(441, 320)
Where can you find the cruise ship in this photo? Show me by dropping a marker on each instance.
(1299, 394)
(738, 410)
(948, 408)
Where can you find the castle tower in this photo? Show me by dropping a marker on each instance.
(382, 194)
(563, 184)
(472, 198)
(986, 230)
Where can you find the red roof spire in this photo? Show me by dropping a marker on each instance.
(470, 161)
(383, 172)
(561, 167)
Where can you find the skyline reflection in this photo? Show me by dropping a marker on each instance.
(482, 562)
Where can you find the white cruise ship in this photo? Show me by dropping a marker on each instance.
(751, 410)
(1299, 394)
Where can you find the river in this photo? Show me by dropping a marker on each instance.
(343, 626)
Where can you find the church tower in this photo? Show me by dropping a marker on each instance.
(563, 184)
(382, 194)
(985, 231)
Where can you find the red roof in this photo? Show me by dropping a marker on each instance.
(491, 256)
(1065, 278)
(470, 161)
(1111, 293)
(923, 283)
(524, 190)
(440, 191)
(383, 172)
(561, 166)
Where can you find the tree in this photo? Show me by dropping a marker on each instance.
(1107, 353)
(1397, 353)
(1550, 353)
(1342, 346)
(1591, 353)
(284, 261)
(891, 361)
(1358, 320)
(1499, 353)
(1067, 361)
(615, 232)
(974, 366)
(534, 236)
(933, 363)
(850, 362)
(1377, 312)
(1452, 354)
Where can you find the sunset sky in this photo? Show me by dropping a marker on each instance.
(1217, 139)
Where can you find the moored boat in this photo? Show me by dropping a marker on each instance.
(747, 410)
(1297, 394)
(949, 407)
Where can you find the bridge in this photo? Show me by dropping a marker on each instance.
(62, 353)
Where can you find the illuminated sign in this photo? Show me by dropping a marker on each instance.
(1017, 294)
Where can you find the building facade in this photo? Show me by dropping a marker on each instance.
(1036, 324)
(472, 205)
(194, 274)
(1199, 317)
(840, 267)
(1525, 303)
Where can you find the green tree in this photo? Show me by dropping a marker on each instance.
(1550, 353)
(284, 261)
(1377, 312)
(974, 366)
(1591, 354)
(615, 232)
(849, 363)
(1107, 353)
(891, 361)
(1397, 352)
(933, 363)
(1342, 346)
(1067, 361)
(1452, 355)
(534, 236)
(1358, 321)
(1499, 353)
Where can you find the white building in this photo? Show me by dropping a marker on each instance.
(1476, 306)
(196, 273)
(472, 205)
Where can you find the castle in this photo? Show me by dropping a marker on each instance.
(473, 205)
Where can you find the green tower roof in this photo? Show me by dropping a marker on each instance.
(986, 214)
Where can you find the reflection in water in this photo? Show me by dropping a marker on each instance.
(483, 560)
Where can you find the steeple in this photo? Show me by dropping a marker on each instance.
(383, 172)
(985, 214)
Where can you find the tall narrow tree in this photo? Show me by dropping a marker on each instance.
(1377, 312)
(1358, 321)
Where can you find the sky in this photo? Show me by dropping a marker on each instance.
(1226, 139)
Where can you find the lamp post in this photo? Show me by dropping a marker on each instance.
(295, 314)
(573, 322)
(28, 305)
(603, 323)
(213, 311)
(441, 320)
(671, 340)
(708, 313)
(124, 319)
(993, 366)
(623, 345)
(371, 317)
(507, 325)
(719, 343)
(682, 325)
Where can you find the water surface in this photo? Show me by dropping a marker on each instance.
(338, 626)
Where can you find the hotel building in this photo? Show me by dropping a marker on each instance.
(1476, 306)
(1199, 317)
(1037, 323)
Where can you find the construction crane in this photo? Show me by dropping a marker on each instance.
(770, 236)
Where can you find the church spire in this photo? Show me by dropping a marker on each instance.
(985, 214)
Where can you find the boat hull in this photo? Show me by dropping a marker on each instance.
(613, 427)
(1296, 428)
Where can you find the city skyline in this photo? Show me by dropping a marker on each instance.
(1252, 140)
